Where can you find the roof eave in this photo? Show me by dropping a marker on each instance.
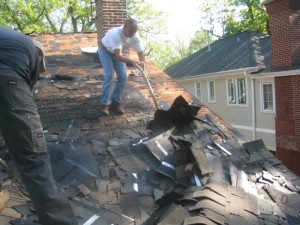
(221, 74)
(276, 74)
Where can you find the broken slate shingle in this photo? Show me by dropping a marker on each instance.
(131, 163)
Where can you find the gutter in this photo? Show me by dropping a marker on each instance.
(253, 105)
(221, 74)
(276, 74)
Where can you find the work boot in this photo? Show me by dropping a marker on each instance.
(104, 110)
(117, 107)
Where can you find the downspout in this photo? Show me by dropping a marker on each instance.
(253, 105)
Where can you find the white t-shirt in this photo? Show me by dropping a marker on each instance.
(115, 39)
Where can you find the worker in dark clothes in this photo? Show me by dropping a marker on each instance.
(21, 62)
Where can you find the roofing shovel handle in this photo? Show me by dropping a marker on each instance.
(148, 84)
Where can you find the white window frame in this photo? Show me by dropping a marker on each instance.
(196, 90)
(208, 90)
(236, 92)
(262, 83)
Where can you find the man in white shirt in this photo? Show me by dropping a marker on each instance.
(110, 54)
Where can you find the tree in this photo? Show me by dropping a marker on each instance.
(152, 25)
(214, 17)
(166, 54)
(48, 15)
(151, 21)
(253, 17)
(27, 16)
(229, 17)
(200, 40)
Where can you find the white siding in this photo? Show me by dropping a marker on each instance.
(239, 116)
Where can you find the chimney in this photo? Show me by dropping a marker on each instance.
(109, 13)
(285, 33)
(285, 39)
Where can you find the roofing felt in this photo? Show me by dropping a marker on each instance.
(244, 50)
(178, 165)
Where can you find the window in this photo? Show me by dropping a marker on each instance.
(198, 90)
(211, 91)
(267, 97)
(237, 91)
(231, 91)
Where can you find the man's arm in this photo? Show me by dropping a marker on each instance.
(141, 56)
(122, 58)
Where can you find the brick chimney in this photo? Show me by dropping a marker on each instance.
(285, 39)
(109, 13)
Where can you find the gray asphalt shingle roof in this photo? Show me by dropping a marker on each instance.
(247, 49)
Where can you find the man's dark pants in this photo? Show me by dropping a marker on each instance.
(23, 133)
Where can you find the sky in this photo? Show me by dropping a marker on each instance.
(182, 17)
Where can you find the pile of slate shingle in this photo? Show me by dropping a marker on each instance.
(187, 170)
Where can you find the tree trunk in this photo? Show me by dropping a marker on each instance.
(52, 25)
(73, 19)
(74, 24)
(14, 18)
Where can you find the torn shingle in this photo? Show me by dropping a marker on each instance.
(131, 163)
(175, 214)
(129, 204)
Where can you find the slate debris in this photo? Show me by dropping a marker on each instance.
(225, 199)
(179, 113)
(183, 170)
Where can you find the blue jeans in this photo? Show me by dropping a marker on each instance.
(111, 64)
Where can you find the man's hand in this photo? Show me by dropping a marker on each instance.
(139, 64)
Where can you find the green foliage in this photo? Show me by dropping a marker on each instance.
(166, 54)
(199, 41)
(151, 25)
(253, 17)
(214, 16)
(27, 16)
(47, 15)
(234, 16)
(151, 21)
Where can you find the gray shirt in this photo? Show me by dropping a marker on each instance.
(19, 55)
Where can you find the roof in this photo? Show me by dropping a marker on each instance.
(181, 164)
(244, 50)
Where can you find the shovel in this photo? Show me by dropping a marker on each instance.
(144, 74)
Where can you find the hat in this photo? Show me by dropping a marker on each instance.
(41, 47)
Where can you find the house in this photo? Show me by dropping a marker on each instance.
(251, 81)
(180, 164)
(225, 78)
